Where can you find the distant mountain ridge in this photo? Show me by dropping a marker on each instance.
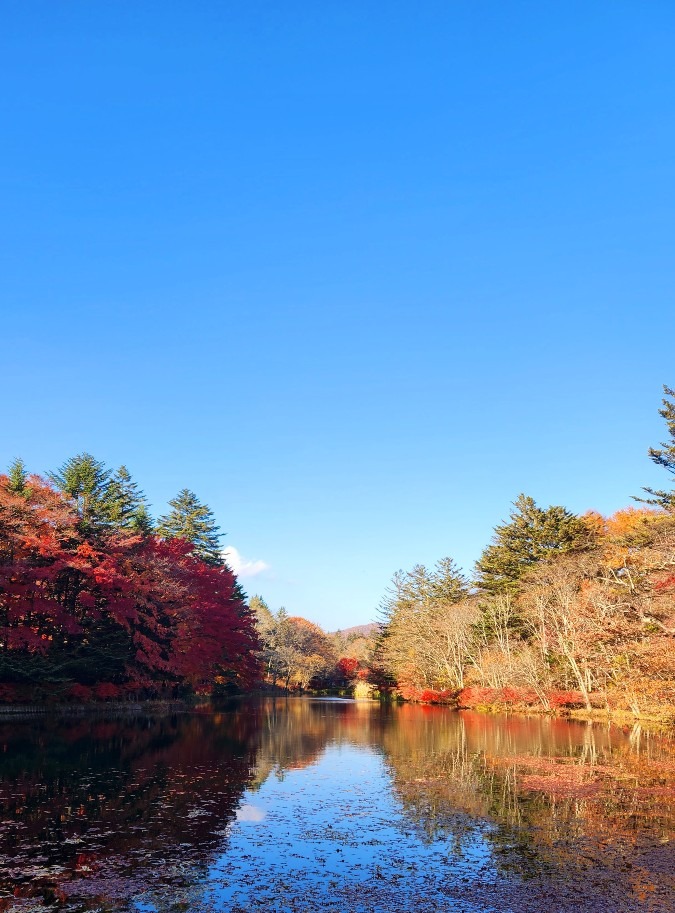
(359, 630)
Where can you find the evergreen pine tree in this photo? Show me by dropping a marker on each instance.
(142, 522)
(125, 504)
(87, 481)
(238, 591)
(190, 519)
(664, 456)
(532, 534)
(448, 581)
(17, 477)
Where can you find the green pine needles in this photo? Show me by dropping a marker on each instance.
(18, 477)
(103, 499)
(531, 534)
(664, 455)
(86, 481)
(126, 505)
(111, 500)
(190, 519)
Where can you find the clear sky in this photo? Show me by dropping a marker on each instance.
(357, 273)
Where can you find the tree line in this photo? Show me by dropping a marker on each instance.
(99, 600)
(297, 654)
(562, 610)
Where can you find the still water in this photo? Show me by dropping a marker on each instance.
(306, 805)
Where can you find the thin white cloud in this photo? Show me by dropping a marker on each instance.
(250, 813)
(244, 567)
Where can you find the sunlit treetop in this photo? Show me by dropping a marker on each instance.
(193, 521)
(531, 534)
(664, 455)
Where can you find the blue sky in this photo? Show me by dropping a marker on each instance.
(356, 273)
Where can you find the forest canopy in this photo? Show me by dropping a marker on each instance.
(563, 611)
(98, 601)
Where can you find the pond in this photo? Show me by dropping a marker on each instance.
(306, 805)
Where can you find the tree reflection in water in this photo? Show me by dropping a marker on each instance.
(575, 800)
(97, 812)
(109, 806)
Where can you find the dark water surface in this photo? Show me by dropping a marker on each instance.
(317, 805)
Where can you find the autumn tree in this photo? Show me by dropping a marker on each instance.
(262, 614)
(86, 604)
(193, 521)
(500, 628)
(283, 648)
(428, 626)
(355, 645)
(664, 455)
(346, 669)
(294, 650)
(220, 638)
(531, 534)
(569, 611)
(266, 626)
(315, 657)
(35, 532)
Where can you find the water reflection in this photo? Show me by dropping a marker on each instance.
(100, 807)
(322, 805)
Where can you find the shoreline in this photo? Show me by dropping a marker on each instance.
(64, 709)
(580, 714)
(596, 715)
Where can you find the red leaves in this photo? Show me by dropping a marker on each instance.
(667, 583)
(496, 697)
(474, 697)
(106, 691)
(427, 695)
(136, 609)
(80, 692)
(347, 668)
(567, 699)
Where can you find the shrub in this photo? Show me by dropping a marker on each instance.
(106, 691)
(569, 700)
(80, 692)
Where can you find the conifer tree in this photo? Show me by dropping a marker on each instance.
(86, 481)
(18, 477)
(448, 581)
(191, 520)
(428, 626)
(532, 534)
(664, 455)
(142, 522)
(125, 504)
